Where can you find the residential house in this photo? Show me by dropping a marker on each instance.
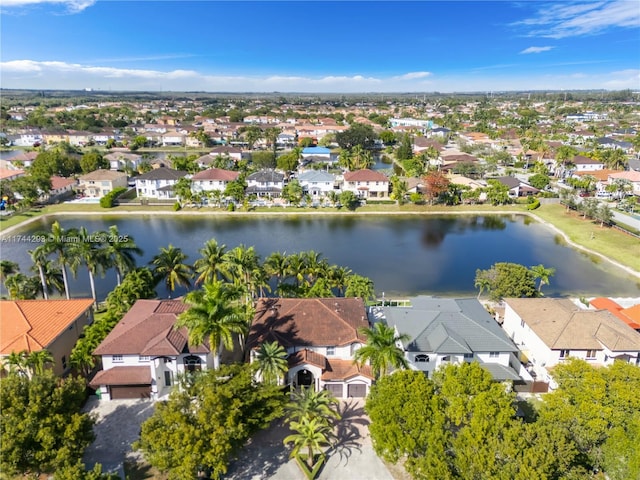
(172, 139)
(30, 138)
(212, 179)
(321, 336)
(98, 183)
(53, 325)
(451, 331)
(79, 139)
(6, 174)
(145, 352)
(60, 187)
(265, 183)
(158, 183)
(366, 184)
(233, 153)
(420, 144)
(317, 183)
(123, 160)
(630, 315)
(320, 152)
(586, 164)
(517, 188)
(631, 176)
(24, 159)
(550, 330)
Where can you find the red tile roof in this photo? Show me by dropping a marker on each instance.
(365, 175)
(122, 376)
(61, 182)
(308, 322)
(148, 329)
(630, 316)
(216, 174)
(33, 325)
(309, 357)
(338, 369)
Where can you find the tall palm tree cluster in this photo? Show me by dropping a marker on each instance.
(61, 249)
(304, 274)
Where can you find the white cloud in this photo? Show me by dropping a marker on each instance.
(536, 50)
(73, 76)
(413, 76)
(561, 20)
(71, 6)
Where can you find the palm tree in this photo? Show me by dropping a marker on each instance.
(276, 265)
(359, 286)
(382, 351)
(239, 266)
(16, 362)
(50, 274)
(212, 259)
(120, 250)
(36, 361)
(7, 268)
(168, 266)
(482, 283)
(311, 435)
(543, 273)
(314, 266)
(22, 287)
(89, 251)
(214, 315)
(309, 403)
(58, 241)
(338, 277)
(272, 362)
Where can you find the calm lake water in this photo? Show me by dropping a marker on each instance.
(404, 255)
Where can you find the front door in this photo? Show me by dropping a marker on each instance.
(305, 378)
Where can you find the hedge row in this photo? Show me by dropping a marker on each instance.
(109, 199)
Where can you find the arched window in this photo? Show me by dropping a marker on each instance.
(422, 358)
(192, 363)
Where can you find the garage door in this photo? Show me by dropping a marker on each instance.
(130, 391)
(357, 390)
(334, 388)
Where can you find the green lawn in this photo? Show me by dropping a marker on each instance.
(611, 243)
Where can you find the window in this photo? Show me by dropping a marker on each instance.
(117, 359)
(565, 353)
(468, 356)
(494, 354)
(144, 358)
(421, 358)
(331, 351)
(64, 362)
(522, 323)
(591, 354)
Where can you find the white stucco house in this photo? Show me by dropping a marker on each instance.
(158, 183)
(321, 336)
(212, 179)
(551, 330)
(454, 330)
(366, 184)
(318, 183)
(145, 353)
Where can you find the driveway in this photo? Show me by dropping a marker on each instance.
(352, 458)
(117, 427)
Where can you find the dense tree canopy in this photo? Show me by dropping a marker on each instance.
(506, 279)
(204, 424)
(357, 134)
(41, 425)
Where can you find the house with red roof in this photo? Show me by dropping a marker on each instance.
(630, 316)
(366, 184)
(145, 353)
(52, 325)
(321, 336)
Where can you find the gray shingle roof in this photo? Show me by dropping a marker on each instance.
(446, 325)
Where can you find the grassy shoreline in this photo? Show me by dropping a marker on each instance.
(605, 243)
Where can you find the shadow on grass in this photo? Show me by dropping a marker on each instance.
(141, 471)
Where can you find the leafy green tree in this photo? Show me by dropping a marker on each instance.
(604, 214)
(22, 287)
(41, 427)
(288, 162)
(357, 134)
(30, 189)
(78, 471)
(293, 192)
(169, 266)
(205, 426)
(272, 362)
(539, 181)
(349, 200)
(620, 457)
(381, 350)
(214, 315)
(360, 158)
(7, 267)
(263, 160)
(92, 161)
(497, 193)
(506, 279)
(137, 284)
(405, 149)
(235, 190)
(388, 137)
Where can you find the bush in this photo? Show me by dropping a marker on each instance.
(176, 206)
(534, 204)
(108, 201)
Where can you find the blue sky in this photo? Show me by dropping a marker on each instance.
(314, 46)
